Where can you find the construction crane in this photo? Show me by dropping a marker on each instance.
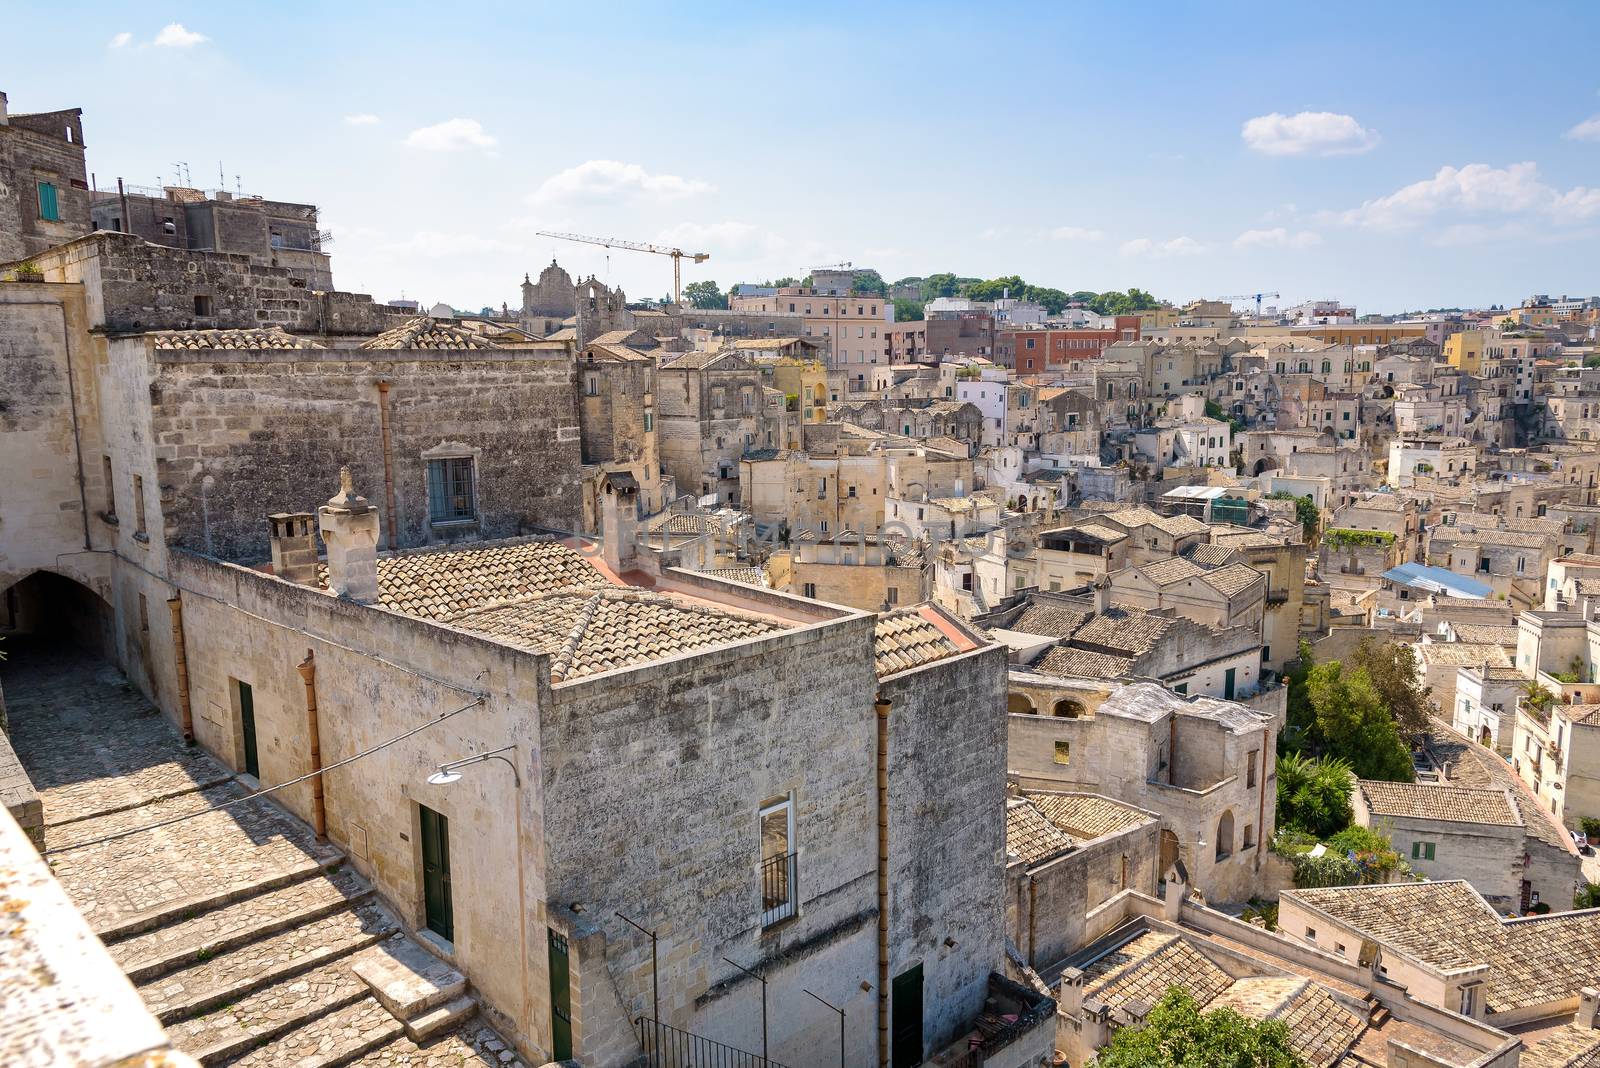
(677, 254)
(1252, 296)
(832, 267)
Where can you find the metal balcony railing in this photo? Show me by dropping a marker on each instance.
(780, 888)
(667, 1047)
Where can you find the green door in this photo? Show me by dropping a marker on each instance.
(247, 720)
(1227, 683)
(560, 1000)
(905, 1018)
(437, 909)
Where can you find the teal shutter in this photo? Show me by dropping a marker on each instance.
(438, 498)
(48, 207)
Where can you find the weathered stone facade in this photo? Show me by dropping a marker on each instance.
(44, 149)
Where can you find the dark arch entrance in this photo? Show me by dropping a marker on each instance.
(48, 608)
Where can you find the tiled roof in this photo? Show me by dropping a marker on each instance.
(1234, 578)
(1320, 1029)
(1032, 838)
(1066, 661)
(1176, 525)
(1485, 634)
(426, 333)
(587, 632)
(1208, 555)
(1569, 1046)
(1052, 620)
(750, 576)
(1461, 654)
(270, 338)
(1097, 531)
(1171, 570)
(1482, 536)
(1425, 801)
(1173, 963)
(1122, 630)
(612, 351)
(906, 639)
(1087, 815)
(1532, 961)
(1473, 765)
(443, 583)
(698, 360)
(614, 337)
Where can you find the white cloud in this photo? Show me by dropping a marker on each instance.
(725, 240)
(1177, 246)
(1587, 130)
(121, 40)
(1075, 233)
(1309, 133)
(603, 180)
(174, 35)
(452, 135)
(1277, 237)
(363, 119)
(435, 244)
(1476, 189)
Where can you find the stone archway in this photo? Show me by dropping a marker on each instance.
(1067, 708)
(1020, 704)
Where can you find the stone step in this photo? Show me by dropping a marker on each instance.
(407, 979)
(268, 962)
(154, 953)
(203, 779)
(438, 1020)
(469, 1047)
(234, 1029)
(327, 1042)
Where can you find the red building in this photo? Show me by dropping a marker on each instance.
(1030, 350)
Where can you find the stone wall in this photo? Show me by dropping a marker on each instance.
(240, 435)
(654, 778)
(947, 834)
(1067, 890)
(44, 147)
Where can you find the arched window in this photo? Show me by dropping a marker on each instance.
(1327, 366)
(1019, 704)
(1225, 835)
(1068, 708)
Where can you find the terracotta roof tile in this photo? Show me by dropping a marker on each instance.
(905, 639)
(1428, 801)
(427, 333)
(1066, 661)
(270, 338)
(443, 583)
(1032, 838)
(1087, 815)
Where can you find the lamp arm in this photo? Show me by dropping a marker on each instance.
(478, 758)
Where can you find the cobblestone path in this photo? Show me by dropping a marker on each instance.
(238, 928)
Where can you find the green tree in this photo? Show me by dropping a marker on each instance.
(786, 280)
(943, 284)
(995, 288)
(1177, 1034)
(907, 310)
(1393, 671)
(1053, 300)
(1353, 723)
(1588, 897)
(870, 281)
(1314, 794)
(1305, 510)
(1115, 303)
(1300, 718)
(705, 295)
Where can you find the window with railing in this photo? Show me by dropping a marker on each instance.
(451, 497)
(780, 896)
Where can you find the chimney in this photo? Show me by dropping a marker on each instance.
(1175, 892)
(619, 515)
(294, 547)
(1588, 1002)
(349, 528)
(4, 116)
(1102, 594)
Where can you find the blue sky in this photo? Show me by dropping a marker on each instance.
(1394, 161)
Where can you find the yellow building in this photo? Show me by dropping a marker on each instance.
(1361, 333)
(804, 384)
(1464, 351)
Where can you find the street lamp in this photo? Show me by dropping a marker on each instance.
(450, 772)
(840, 1011)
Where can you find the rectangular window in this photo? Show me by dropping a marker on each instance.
(1063, 754)
(49, 207)
(779, 897)
(1422, 850)
(111, 490)
(450, 490)
(1311, 934)
(202, 305)
(894, 595)
(1250, 770)
(591, 385)
(649, 421)
(809, 589)
(138, 504)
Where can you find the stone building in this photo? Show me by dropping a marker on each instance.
(617, 424)
(713, 408)
(272, 233)
(44, 186)
(1206, 767)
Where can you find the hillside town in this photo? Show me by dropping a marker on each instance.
(817, 670)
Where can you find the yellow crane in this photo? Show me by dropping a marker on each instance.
(677, 254)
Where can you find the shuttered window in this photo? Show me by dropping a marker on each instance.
(450, 497)
(48, 206)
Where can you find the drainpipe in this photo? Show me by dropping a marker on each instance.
(388, 466)
(1033, 903)
(319, 816)
(180, 657)
(1261, 811)
(881, 706)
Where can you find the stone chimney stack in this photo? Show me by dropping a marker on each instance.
(1588, 1002)
(1102, 594)
(619, 521)
(5, 116)
(1176, 892)
(294, 547)
(349, 528)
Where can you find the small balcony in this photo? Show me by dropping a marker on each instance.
(780, 888)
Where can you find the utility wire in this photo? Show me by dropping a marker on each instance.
(271, 789)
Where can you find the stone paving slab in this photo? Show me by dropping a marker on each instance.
(471, 1047)
(128, 883)
(165, 949)
(90, 741)
(277, 958)
(334, 1039)
(257, 1018)
(407, 979)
